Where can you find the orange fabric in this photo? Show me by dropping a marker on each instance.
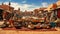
(54, 6)
(38, 27)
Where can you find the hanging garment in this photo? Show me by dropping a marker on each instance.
(58, 13)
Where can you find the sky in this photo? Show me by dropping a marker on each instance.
(28, 5)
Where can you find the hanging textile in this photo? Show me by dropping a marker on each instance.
(58, 13)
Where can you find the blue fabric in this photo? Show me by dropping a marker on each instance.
(53, 24)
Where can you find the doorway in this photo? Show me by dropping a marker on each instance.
(1, 14)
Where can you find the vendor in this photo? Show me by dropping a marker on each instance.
(52, 23)
(11, 21)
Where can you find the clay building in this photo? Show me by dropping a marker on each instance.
(4, 8)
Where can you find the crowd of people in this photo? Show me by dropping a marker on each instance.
(12, 20)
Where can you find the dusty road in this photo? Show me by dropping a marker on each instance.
(29, 32)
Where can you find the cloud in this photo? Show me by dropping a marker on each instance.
(44, 4)
(23, 7)
(23, 1)
(28, 7)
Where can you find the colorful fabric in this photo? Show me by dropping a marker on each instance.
(58, 13)
(52, 24)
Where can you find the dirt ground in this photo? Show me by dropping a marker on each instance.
(29, 32)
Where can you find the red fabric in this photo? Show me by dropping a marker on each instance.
(58, 14)
(5, 14)
(45, 18)
(11, 21)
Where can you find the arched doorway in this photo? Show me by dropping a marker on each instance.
(1, 14)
